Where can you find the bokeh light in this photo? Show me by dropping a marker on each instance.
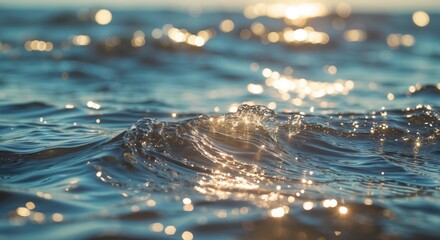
(103, 17)
(227, 25)
(420, 18)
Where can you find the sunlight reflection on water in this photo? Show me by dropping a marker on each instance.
(338, 138)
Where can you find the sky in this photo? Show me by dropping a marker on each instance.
(357, 5)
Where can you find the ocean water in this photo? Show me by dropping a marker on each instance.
(175, 125)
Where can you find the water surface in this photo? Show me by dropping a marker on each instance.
(166, 125)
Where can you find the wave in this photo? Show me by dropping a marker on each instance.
(252, 159)
(255, 151)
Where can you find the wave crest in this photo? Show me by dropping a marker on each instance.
(227, 153)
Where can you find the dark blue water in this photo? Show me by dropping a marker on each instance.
(326, 128)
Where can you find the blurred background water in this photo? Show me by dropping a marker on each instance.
(270, 121)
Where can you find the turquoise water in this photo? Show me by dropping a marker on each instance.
(167, 125)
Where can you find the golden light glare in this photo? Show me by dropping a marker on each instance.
(266, 72)
(308, 205)
(343, 210)
(305, 88)
(36, 45)
(170, 230)
(30, 205)
(23, 212)
(156, 227)
(186, 201)
(407, 40)
(332, 70)
(187, 235)
(38, 217)
(196, 41)
(180, 36)
(176, 35)
(151, 203)
(273, 37)
(299, 35)
(278, 212)
(304, 35)
(221, 213)
(81, 40)
(188, 207)
(255, 88)
(355, 35)
(258, 28)
(329, 203)
(219, 183)
(395, 40)
(390, 96)
(420, 18)
(287, 11)
(93, 105)
(227, 25)
(138, 39)
(103, 17)
(57, 217)
(233, 107)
